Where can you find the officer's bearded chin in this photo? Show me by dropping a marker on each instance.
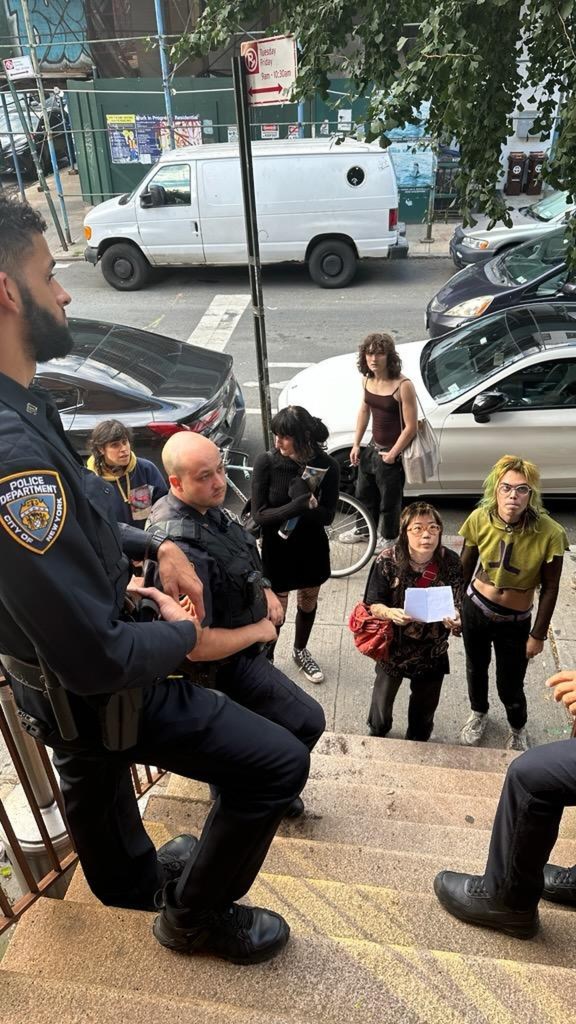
(45, 337)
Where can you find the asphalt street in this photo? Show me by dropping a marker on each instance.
(304, 323)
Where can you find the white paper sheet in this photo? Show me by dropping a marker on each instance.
(429, 604)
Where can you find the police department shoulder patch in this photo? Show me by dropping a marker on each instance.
(33, 508)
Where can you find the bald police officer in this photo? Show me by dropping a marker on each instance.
(62, 591)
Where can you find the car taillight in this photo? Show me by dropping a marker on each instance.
(200, 425)
(392, 220)
(166, 429)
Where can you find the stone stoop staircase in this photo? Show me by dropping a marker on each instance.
(369, 944)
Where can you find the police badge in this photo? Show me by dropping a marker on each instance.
(33, 508)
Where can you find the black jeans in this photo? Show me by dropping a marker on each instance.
(379, 487)
(538, 786)
(424, 696)
(509, 640)
(255, 749)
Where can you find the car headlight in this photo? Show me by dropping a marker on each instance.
(476, 243)
(472, 307)
(436, 306)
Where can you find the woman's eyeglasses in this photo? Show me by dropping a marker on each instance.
(419, 530)
(522, 490)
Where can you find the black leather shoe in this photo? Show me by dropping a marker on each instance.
(465, 897)
(242, 935)
(174, 855)
(559, 884)
(295, 809)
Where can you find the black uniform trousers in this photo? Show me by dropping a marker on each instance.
(379, 487)
(480, 635)
(538, 786)
(254, 748)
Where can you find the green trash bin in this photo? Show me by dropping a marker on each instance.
(413, 204)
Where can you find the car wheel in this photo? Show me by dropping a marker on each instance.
(332, 263)
(348, 472)
(125, 268)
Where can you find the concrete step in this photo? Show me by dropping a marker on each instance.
(444, 755)
(365, 809)
(464, 844)
(318, 978)
(387, 775)
(27, 1000)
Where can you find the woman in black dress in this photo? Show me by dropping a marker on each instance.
(299, 559)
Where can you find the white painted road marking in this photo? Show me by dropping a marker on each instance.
(61, 266)
(217, 325)
(254, 384)
(292, 365)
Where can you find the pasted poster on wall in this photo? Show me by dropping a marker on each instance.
(142, 138)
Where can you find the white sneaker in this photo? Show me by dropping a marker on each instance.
(473, 729)
(518, 739)
(382, 544)
(353, 536)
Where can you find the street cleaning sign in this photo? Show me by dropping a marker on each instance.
(271, 68)
(18, 67)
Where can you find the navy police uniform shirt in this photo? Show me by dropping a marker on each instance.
(63, 564)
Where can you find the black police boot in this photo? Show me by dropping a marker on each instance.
(465, 897)
(559, 884)
(295, 809)
(174, 855)
(242, 935)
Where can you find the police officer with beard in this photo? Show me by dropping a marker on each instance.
(227, 561)
(91, 682)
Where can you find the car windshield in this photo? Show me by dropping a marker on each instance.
(548, 208)
(459, 362)
(527, 262)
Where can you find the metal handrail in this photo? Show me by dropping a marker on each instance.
(59, 861)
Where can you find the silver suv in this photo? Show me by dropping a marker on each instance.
(474, 245)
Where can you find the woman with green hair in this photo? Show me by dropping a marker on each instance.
(511, 547)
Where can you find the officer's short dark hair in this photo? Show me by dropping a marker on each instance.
(19, 223)
(105, 433)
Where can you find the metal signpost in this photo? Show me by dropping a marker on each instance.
(263, 74)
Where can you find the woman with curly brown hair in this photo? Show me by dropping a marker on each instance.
(419, 650)
(389, 400)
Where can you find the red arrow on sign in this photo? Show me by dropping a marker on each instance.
(271, 88)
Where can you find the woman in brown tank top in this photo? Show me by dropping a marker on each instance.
(389, 399)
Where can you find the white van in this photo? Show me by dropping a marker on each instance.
(317, 202)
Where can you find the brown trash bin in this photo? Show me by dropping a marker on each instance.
(533, 185)
(515, 176)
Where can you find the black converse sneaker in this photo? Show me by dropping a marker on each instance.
(307, 665)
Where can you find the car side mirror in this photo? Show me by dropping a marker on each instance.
(569, 288)
(486, 403)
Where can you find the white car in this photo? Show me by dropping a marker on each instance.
(474, 245)
(503, 385)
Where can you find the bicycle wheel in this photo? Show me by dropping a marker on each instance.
(346, 559)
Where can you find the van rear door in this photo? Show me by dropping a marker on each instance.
(168, 216)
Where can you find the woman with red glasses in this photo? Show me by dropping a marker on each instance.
(511, 547)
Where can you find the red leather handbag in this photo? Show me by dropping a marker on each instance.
(372, 636)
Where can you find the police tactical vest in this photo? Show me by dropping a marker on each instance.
(239, 599)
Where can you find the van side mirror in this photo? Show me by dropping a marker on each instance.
(155, 196)
(146, 201)
(486, 403)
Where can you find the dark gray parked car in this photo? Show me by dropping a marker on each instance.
(155, 384)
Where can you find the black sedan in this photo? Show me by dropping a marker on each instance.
(154, 384)
(533, 272)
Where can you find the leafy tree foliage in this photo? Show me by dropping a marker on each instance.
(472, 59)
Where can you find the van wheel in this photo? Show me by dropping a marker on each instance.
(332, 263)
(125, 268)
